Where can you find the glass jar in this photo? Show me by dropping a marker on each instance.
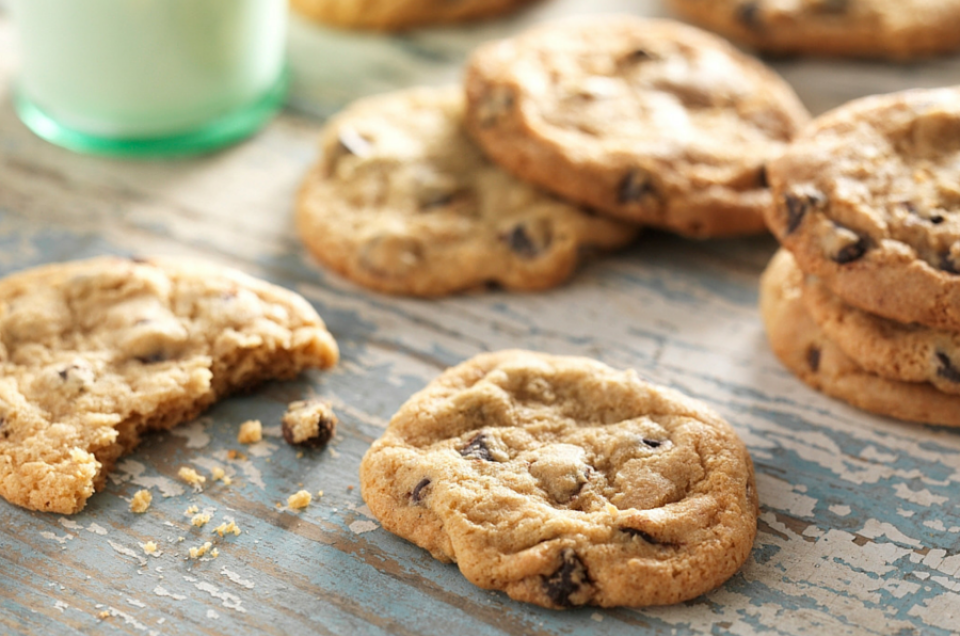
(149, 77)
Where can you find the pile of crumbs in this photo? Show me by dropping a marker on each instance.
(218, 474)
(251, 432)
(141, 501)
(226, 528)
(192, 477)
(200, 519)
(299, 500)
(196, 553)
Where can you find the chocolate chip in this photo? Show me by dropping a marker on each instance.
(797, 207)
(633, 532)
(852, 252)
(417, 494)
(947, 371)
(948, 264)
(634, 187)
(139, 261)
(63, 373)
(636, 56)
(763, 181)
(477, 448)
(813, 359)
(652, 443)
(748, 14)
(494, 105)
(567, 580)
(153, 358)
(326, 427)
(933, 217)
(520, 242)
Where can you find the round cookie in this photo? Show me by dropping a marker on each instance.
(397, 15)
(95, 353)
(911, 353)
(564, 482)
(867, 199)
(403, 202)
(896, 29)
(645, 120)
(804, 349)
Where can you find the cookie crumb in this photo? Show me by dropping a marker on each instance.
(149, 547)
(200, 520)
(350, 487)
(299, 500)
(215, 553)
(192, 477)
(251, 432)
(236, 455)
(104, 614)
(319, 494)
(196, 553)
(310, 423)
(226, 528)
(217, 473)
(180, 539)
(141, 501)
(192, 510)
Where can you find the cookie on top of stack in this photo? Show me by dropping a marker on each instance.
(865, 303)
(644, 122)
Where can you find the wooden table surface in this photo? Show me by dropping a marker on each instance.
(859, 531)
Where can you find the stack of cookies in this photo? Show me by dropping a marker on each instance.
(584, 130)
(864, 301)
(398, 15)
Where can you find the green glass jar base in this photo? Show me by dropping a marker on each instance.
(221, 132)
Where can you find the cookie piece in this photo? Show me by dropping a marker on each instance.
(398, 15)
(402, 202)
(868, 200)
(646, 120)
(310, 423)
(564, 482)
(95, 353)
(804, 349)
(893, 29)
(911, 353)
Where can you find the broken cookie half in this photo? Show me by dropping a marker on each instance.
(95, 353)
(564, 482)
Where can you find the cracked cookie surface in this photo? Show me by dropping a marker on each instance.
(645, 120)
(95, 353)
(897, 29)
(403, 202)
(564, 482)
(395, 15)
(805, 350)
(868, 200)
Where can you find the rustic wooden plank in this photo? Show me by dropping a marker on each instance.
(859, 528)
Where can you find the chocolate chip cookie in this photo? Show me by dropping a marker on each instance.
(868, 200)
(911, 353)
(897, 29)
(564, 482)
(403, 202)
(806, 350)
(396, 15)
(96, 353)
(645, 120)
